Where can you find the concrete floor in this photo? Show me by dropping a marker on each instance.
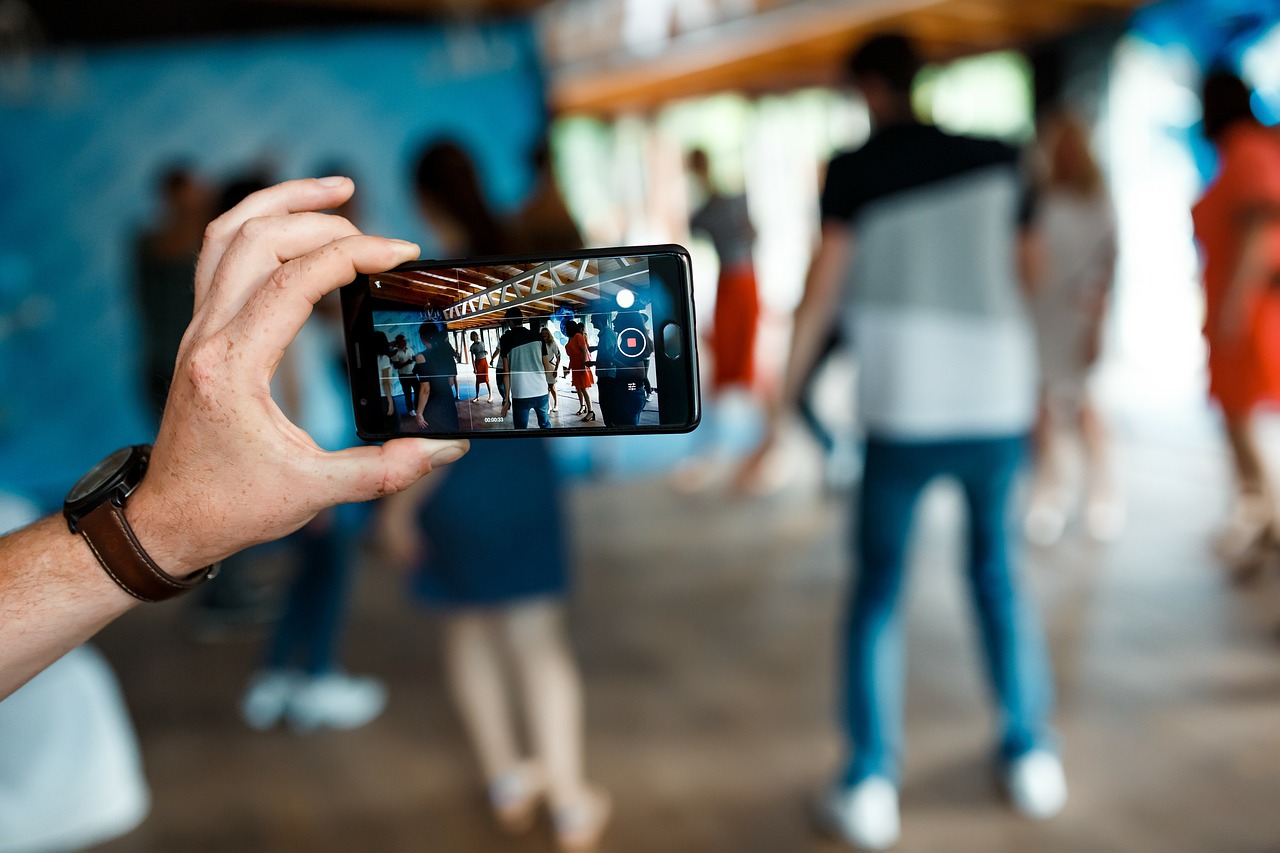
(705, 630)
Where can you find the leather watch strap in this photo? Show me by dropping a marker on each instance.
(111, 539)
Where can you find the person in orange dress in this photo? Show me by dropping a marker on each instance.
(726, 221)
(582, 379)
(1237, 224)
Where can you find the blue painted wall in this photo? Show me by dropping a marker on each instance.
(83, 135)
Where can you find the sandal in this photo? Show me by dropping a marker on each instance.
(579, 827)
(590, 416)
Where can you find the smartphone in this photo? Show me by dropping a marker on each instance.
(600, 341)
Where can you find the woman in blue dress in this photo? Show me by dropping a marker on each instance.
(486, 542)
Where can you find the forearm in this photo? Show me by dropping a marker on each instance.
(54, 595)
(815, 315)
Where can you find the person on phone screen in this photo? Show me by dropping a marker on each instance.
(480, 360)
(403, 359)
(579, 355)
(554, 355)
(526, 362)
(435, 371)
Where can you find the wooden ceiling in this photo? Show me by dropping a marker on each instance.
(478, 297)
(787, 44)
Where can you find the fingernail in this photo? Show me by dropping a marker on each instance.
(447, 455)
(331, 181)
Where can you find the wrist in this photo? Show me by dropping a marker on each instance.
(156, 528)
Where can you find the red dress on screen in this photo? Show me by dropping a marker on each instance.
(578, 357)
(1243, 371)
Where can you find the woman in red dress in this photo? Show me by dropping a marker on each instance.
(578, 354)
(1237, 223)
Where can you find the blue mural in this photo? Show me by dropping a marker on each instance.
(83, 136)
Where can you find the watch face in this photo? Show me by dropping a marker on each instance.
(99, 475)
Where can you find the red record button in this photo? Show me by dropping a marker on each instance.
(632, 343)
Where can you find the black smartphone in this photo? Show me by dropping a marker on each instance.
(600, 341)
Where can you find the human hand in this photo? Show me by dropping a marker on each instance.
(229, 470)
(391, 408)
(422, 422)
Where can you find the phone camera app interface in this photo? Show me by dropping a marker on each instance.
(560, 344)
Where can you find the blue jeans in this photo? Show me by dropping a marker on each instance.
(310, 627)
(1013, 644)
(522, 406)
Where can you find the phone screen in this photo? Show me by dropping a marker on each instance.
(590, 343)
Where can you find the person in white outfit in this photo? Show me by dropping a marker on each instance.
(1078, 228)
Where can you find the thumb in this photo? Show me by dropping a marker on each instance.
(365, 473)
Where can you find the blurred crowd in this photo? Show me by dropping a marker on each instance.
(970, 282)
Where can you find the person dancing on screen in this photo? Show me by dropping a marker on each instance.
(480, 358)
(579, 354)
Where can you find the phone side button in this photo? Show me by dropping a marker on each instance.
(672, 341)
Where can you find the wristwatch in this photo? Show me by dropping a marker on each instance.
(94, 508)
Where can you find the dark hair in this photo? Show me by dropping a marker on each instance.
(1226, 102)
(514, 314)
(890, 58)
(381, 344)
(175, 178)
(699, 162)
(238, 188)
(445, 176)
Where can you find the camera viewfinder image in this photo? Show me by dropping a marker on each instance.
(558, 344)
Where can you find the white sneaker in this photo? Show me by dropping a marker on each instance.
(1037, 786)
(1045, 524)
(865, 815)
(268, 696)
(336, 701)
(1105, 519)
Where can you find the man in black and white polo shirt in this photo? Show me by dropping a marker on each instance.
(524, 361)
(926, 249)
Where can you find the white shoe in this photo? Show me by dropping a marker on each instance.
(336, 701)
(268, 696)
(865, 815)
(1045, 524)
(1037, 785)
(1105, 520)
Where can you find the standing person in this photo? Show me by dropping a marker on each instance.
(386, 371)
(579, 354)
(925, 245)
(164, 262)
(525, 362)
(544, 223)
(1237, 224)
(300, 678)
(403, 358)
(606, 364)
(480, 359)
(555, 355)
(435, 370)
(501, 599)
(1078, 224)
(726, 221)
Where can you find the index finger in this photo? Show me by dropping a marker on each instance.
(300, 196)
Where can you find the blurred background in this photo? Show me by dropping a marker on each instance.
(704, 619)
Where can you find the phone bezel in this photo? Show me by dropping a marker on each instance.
(682, 371)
